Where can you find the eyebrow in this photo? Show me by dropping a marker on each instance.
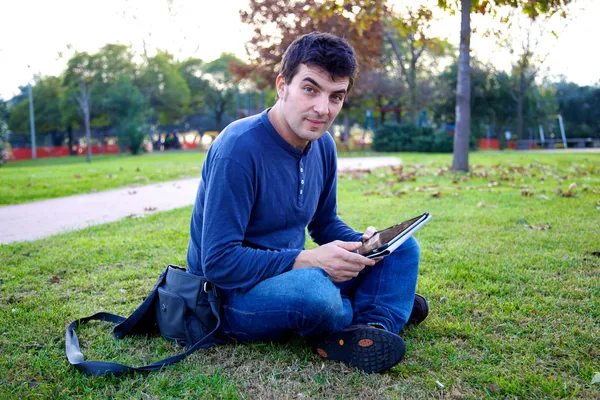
(311, 80)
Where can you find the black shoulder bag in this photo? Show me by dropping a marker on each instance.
(183, 307)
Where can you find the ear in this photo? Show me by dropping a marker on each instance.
(280, 85)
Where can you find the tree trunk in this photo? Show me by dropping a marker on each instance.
(412, 85)
(462, 130)
(83, 98)
(70, 134)
(88, 135)
(520, 105)
(501, 137)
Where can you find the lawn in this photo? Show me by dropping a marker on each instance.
(510, 264)
(46, 178)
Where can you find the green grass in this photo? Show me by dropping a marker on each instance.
(25, 181)
(48, 178)
(515, 311)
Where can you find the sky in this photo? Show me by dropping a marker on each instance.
(37, 36)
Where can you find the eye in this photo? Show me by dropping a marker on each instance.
(308, 89)
(338, 98)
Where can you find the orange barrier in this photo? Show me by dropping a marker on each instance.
(492, 144)
(61, 151)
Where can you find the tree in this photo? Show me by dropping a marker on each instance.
(128, 109)
(78, 83)
(406, 35)
(531, 8)
(48, 118)
(580, 108)
(278, 23)
(488, 100)
(191, 70)
(110, 63)
(161, 82)
(220, 85)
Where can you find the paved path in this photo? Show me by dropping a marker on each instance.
(44, 218)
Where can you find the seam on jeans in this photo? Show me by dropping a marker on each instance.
(239, 311)
(263, 311)
(301, 314)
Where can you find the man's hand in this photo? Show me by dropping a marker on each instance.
(369, 232)
(338, 259)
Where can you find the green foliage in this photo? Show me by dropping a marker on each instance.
(580, 109)
(46, 103)
(128, 110)
(191, 71)
(164, 86)
(531, 8)
(220, 86)
(393, 137)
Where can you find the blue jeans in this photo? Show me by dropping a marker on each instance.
(308, 302)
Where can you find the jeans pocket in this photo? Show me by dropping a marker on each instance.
(170, 316)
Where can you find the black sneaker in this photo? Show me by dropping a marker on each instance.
(362, 346)
(419, 311)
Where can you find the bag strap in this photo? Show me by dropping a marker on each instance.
(100, 368)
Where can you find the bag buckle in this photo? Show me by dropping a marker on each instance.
(207, 287)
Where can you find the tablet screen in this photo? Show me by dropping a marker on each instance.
(383, 237)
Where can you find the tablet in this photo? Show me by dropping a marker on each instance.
(384, 242)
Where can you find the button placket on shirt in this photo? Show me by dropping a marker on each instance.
(302, 175)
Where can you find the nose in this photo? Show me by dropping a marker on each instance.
(321, 106)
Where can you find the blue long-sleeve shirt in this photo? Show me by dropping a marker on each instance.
(256, 197)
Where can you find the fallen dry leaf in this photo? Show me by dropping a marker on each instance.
(481, 204)
(541, 227)
(54, 279)
(436, 194)
(569, 192)
(76, 176)
(526, 193)
(493, 388)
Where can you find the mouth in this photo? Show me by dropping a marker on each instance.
(315, 122)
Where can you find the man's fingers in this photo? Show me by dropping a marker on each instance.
(355, 258)
(370, 231)
(350, 246)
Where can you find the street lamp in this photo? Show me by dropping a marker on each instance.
(31, 121)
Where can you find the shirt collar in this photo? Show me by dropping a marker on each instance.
(264, 118)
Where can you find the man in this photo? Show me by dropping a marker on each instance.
(265, 180)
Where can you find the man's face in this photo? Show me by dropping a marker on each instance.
(310, 103)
